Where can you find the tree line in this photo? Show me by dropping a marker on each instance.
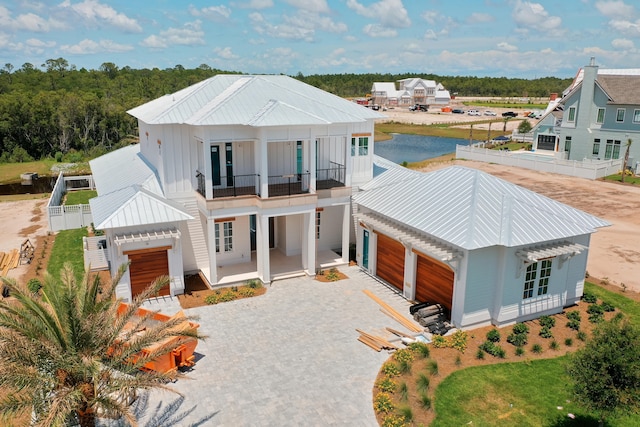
(56, 110)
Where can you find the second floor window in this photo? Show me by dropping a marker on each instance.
(636, 116)
(360, 146)
(600, 116)
(572, 114)
(620, 115)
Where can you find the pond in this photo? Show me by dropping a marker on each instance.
(415, 148)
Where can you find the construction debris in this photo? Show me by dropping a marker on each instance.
(391, 312)
(375, 342)
(431, 316)
(8, 261)
(27, 250)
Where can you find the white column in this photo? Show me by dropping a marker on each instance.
(309, 243)
(348, 164)
(213, 267)
(262, 164)
(309, 147)
(346, 232)
(262, 248)
(410, 264)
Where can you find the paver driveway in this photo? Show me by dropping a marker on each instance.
(290, 357)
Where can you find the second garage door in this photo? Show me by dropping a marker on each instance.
(145, 267)
(434, 281)
(390, 261)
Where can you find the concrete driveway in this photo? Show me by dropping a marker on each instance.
(290, 357)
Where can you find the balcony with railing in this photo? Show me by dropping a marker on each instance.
(331, 177)
(230, 186)
(288, 184)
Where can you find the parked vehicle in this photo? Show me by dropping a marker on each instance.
(473, 112)
(419, 107)
(509, 114)
(457, 111)
(489, 113)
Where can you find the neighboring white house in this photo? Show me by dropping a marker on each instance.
(236, 177)
(489, 251)
(411, 91)
(596, 116)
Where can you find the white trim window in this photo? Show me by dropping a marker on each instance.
(571, 117)
(227, 239)
(596, 147)
(538, 274)
(620, 115)
(636, 116)
(600, 116)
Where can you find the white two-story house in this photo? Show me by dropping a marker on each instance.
(236, 177)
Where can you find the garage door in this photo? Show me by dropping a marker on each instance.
(146, 266)
(434, 281)
(390, 261)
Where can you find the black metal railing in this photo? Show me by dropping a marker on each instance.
(236, 185)
(201, 183)
(288, 184)
(334, 176)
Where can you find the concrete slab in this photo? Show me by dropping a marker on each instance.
(289, 357)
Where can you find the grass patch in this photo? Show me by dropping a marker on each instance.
(510, 394)
(10, 172)
(628, 306)
(17, 197)
(627, 179)
(80, 197)
(506, 104)
(67, 247)
(445, 130)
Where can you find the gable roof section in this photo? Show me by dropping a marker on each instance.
(249, 100)
(134, 206)
(473, 209)
(621, 89)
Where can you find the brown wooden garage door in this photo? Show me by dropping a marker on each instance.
(146, 266)
(434, 281)
(390, 261)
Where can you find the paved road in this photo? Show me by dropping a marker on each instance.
(288, 358)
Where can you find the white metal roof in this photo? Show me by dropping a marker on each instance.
(133, 206)
(228, 99)
(124, 167)
(472, 209)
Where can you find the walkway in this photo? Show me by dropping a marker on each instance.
(290, 357)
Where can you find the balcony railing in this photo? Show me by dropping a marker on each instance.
(237, 185)
(201, 184)
(331, 177)
(286, 185)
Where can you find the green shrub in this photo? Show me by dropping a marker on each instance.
(568, 342)
(420, 348)
(458, 340)
(404, 366)
(480, 354)
(425, 401)
(432, 367)
(212, 299)
(34, 286)
(254, 284)
(545, 332)
(517, 339)
(573, 315)
(404, 354)
(607, 307)
(58, 156)
(403, 390)
(547, 322)
(394, 420)
(247, 292)
(390, 369)
(589, 298)
(228, 296)
(407, 413)
(554, 345)
(500, 352)
(493, 335)
(234, 289)
(596, 313)
(422, 383)
(582, 335)
(382, 403)
(574, 324)
(520, 328)
(387, 385)
(438, 341)
(332, 276)
(519, 351)
(536, 348)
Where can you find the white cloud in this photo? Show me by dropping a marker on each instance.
(533, 16)
(92, 12)
(624, 44)
(27, 22)
(479, 18)
(430, 35)
(254, 4)
(225, 53)
(37, 43)
(628, 28)
(87, 46)
(190, 34)
(375, 30)
(300, 26)
(389, 13)
(212, 13)
(506, 47)
(431, 16)
(617, 9)
(316, 6)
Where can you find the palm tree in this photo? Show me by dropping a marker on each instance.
(68, 356)
(626, 159)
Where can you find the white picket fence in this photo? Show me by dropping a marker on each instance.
(588, 168)
(68, 217)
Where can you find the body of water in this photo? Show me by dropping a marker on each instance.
(415, 148)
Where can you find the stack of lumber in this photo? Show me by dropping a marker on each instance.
(431, 316)
(375, 342)
(8, 261)
(391, 312)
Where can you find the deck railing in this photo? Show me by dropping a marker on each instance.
(334, 176)
(288, 184)
(237, 185)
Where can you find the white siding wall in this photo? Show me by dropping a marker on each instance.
(482, 275)
(330, 228)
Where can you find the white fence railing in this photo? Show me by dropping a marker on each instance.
(588, 168)
(67, 217)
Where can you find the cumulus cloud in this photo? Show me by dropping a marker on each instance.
(254, 4)
(300, 26)
(211, 13)
(376, 30)
(480, 18)
(431, 16)
(225, 52)
(94, 13)
(506, 47)
(27, 22)
(316, 6)
(190, 34)
(628, 28)
(615, 9)
(533, 16)
(388, 13)
(623, 44)
(87, 46)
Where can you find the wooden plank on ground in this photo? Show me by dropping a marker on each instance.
(392, 312)
(15, 260)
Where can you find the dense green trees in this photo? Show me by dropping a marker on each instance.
(58, 108)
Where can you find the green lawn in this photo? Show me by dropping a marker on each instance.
(79, 197)
(446, 130)
(522, 394)
(627, 179)
(67, 247)
(10, 172)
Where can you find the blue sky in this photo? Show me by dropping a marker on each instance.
(510, 38)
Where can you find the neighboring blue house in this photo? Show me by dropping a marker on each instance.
(595, 117)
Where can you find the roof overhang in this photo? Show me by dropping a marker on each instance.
(148, 236)
(564, 249)
(409, 238)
